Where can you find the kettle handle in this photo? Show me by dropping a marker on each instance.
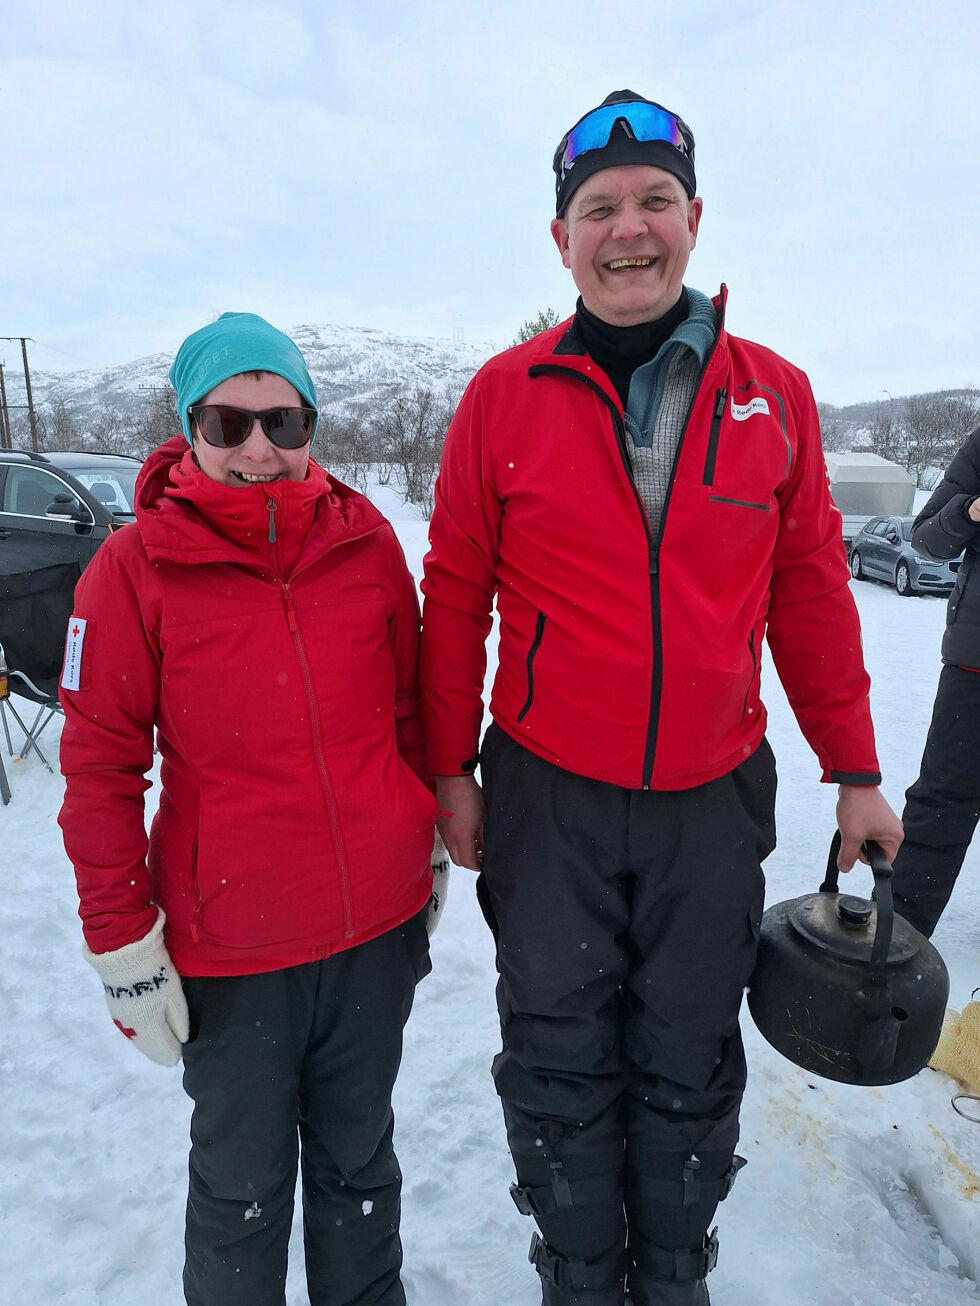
(881, 868)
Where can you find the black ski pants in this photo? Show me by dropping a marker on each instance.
(299, 1061)
(942, 807)
(626, 924)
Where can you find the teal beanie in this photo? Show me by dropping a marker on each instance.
(237, 342)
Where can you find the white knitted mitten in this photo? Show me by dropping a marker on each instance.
(144, 994)
(440, 884)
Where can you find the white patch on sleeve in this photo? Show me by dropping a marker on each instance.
(71, 676)
(742, 412)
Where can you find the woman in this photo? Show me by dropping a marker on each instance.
(259, 617)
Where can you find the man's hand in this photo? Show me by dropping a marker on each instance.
(862, 813)
(461, 819)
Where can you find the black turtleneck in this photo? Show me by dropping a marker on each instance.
(619, 351)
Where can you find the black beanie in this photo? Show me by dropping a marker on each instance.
(624, 148)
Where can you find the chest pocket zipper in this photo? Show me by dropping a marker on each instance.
(712, 454)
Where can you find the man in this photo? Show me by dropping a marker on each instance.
(943, 805)
(645, 497)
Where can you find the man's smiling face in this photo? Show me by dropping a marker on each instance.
(257, 460)
(626, 237)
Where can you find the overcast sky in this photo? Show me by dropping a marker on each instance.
(386, 164)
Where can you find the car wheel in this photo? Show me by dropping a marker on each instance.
(856, 571)
(903, 581)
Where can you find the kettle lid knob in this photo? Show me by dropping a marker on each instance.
(853, 911)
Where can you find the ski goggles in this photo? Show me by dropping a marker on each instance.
(225, 427)
(645, 121)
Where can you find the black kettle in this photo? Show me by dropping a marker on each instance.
(846, 988)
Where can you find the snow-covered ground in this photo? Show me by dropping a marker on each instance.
(853, 1197)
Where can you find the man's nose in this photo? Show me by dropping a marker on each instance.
(630, 223)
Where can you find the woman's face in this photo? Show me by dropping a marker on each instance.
(257, 461)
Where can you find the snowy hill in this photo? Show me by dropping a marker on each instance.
(347, 363)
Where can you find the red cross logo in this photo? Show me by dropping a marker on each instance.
(75, 632)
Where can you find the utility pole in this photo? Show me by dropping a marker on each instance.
(27, 384)
(6, 434)
(30, 401)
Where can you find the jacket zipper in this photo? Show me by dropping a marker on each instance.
(195, 928)
(712, 454)
(653, 547)
(745, 703)
(321, 760)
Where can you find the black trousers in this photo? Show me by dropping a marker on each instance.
(306, 1055)
(942, 807)
(626, 925)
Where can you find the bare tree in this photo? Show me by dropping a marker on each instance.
(835, 435)
(886, 433)
(109, 431)
(61, 430)
(20, 429)
(411, 431)
(923, 432)
(155, 420)
(342, 445)
(935, 427)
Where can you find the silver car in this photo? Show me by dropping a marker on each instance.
(883, 550)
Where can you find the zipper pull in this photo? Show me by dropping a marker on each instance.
(272, 521)
(654, 560)
(720, 404)
(290, 610)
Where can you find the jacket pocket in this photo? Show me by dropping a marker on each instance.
(748, 455)
(753, 654)
(531, 654)
(958, 595)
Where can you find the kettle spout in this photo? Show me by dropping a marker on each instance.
(878, 1042)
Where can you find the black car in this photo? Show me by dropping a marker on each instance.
(883, 550)
(59, 507)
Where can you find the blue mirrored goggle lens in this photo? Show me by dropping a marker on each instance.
(647, 122)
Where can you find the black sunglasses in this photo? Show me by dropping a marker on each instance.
(225, 427)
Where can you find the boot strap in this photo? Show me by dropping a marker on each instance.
(682, 1264)
(561, 1194)
(691, 1189)
(575, 1276)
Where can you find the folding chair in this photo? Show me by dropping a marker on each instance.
(35, 607)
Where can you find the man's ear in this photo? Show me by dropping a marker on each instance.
(694, 208)
(559, 233)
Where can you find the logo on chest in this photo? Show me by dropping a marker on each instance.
(742, 412)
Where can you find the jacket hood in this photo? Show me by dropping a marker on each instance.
(183, 514)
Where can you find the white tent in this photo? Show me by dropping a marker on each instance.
(864, 485)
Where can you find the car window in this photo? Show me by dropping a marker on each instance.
(29, 490)
(113, 488)
(877, 527)
(906, 530)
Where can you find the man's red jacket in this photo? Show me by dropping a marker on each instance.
(628, 655)
(280, 676)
